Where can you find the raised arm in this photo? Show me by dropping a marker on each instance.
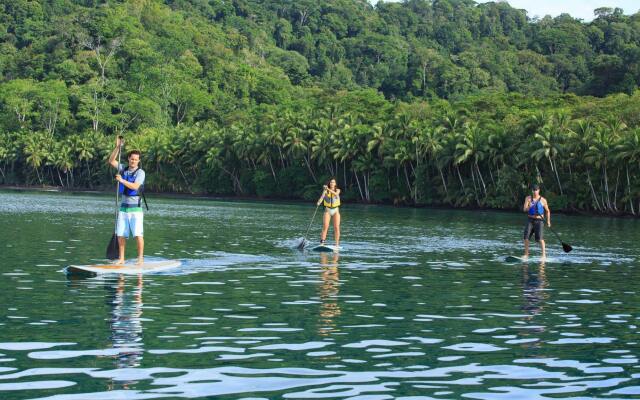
(114, 154)
(322, 196)
(527, 204)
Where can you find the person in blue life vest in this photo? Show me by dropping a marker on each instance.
(130, 218)
(331, 200)
(535, 206)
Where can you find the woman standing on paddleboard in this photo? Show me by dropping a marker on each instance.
(130, 217)
(331, 200)
(535, 206)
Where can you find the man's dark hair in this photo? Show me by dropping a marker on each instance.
(133, 152)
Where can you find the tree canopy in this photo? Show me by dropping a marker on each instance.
(419, 102)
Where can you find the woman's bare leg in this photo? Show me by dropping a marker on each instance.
(336, 228)
(326, 218)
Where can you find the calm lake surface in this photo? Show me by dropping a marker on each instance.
(419, 304)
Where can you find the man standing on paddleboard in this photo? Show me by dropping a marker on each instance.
(535, 206)
(130, 217)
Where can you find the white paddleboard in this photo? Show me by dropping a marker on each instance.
(129, 268)
(326, 248)
(536, 260)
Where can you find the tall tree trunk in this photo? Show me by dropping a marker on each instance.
(460, 177)
(236, 181)
(606, 186)
(484, 187)
(365, 181)
(475, 188)
(615, 192)
(359, 187)
(281, 157)
(444, 183)
(273, 172)
(344, 172)
(406, 177)
(593, 192)
(629, 191)
(306, 160)
(555, 170)
(186, 181)
(493, 181)
(89, 173)
(330, 168)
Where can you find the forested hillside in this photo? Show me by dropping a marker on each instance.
(424, 102)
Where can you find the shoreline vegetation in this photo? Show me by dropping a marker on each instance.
(422, 103)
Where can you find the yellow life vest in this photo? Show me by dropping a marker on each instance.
(331, 200)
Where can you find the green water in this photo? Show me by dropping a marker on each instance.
(417, 305)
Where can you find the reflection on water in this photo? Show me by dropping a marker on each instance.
(125, 322)
(416, 306)
(535, 295)
(534, 289)
(329, 290)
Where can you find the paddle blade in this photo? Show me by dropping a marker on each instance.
(566, 247)
(302, 244)
(112, 248)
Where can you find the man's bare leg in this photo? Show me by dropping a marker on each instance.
(140, 241)
(526, 248)
(543, 247)
(122, 241)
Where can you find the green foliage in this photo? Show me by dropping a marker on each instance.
(420, 102)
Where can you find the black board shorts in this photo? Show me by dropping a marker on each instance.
(534, 226)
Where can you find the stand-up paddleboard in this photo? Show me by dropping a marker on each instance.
(129, 268)
(326, 248)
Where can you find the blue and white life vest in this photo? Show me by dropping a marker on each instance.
(129, 177)
(536, 208)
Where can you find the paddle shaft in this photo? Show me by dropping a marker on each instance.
(567, 248)
(311, 222)
(552, 231)
(118, 189)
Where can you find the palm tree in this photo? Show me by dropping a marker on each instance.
(85, 149)
(403, 154)
(547, 140)
(429, 143)
(320, 144)
(599, 152)
(275, 139)
(629, 154)
(9, 145)
(61, 160)
(297, 146)
(472, 147)
(36, 151)
(379, 138)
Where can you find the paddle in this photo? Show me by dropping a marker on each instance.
(303, 243)
(567, 248)
(113, 251)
